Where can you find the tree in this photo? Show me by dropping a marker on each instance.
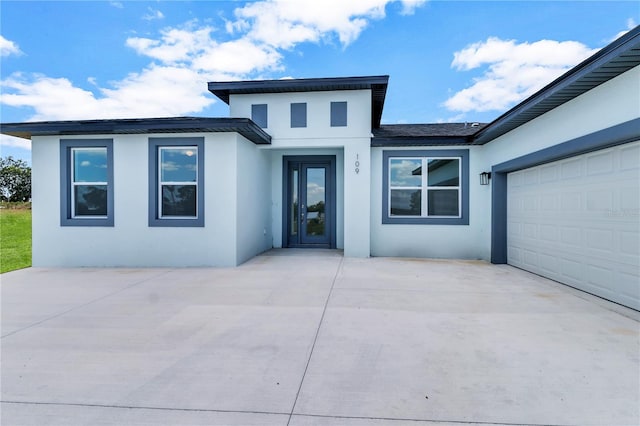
(15, 180)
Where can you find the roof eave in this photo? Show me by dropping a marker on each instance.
(505, 123)
(420, 141)
(242, 126)
(377, 84)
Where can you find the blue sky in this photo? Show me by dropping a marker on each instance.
(450, 61)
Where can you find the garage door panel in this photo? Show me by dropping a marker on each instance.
(571, 169)
(628, 284)
(577, 221)
(629, 243)
(601, 163)
(571, 236)
(600, 239)
(629, 156)
(629, 202)
(548, 264)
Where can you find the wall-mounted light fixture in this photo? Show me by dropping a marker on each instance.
(484, 178)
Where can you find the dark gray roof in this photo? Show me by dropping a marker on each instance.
(425, 134)
(243, 126)
(611, 61)
(377, 84)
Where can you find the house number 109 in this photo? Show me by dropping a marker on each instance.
(357, 164)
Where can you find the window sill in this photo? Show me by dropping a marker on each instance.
(425, 221)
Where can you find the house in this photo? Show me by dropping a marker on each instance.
(307, 163)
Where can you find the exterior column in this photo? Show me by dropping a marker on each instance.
(357, 198)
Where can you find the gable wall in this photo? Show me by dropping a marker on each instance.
(611, 103)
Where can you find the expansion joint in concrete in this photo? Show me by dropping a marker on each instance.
(315, 338)
(59, 314)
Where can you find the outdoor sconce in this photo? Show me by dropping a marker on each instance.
(484, 178)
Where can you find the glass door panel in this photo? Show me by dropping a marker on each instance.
(310, 205)
(294, 178)
(315, 196)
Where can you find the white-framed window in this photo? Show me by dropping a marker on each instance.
(176, 182)
(426, 187)
(86, 182)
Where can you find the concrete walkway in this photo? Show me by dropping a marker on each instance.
(310, 338)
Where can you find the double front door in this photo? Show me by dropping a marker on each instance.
(309, 201)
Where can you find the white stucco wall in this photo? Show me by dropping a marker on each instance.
(253, 212)
(319, 138)
(611, 103)
(131, 242)
(318, 130)
(425, 240)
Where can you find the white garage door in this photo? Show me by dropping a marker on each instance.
(577, 221)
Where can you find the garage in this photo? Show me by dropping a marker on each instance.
(577, 221)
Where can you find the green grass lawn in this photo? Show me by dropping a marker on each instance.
(15, 239)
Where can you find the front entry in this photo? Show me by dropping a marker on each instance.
(309, 216)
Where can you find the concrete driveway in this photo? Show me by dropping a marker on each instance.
(310, 338)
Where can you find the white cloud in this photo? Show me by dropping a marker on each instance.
(155, 92)
(8, 47)
(175, 44)
(631, 24)
(409, 6)
(183, 59)
(284, 23)
(511, 71)
(153, 14)
(116, 4)
(15, 142)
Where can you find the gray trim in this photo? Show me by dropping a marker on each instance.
(498, 217)
(331, 200)
(339, 114)
(618, 57)
(299, 114)
(420, 141)
(464, 187)
(606, 138)
(259, 115)
(377, 84)
(65, 182)
(154, 214)
(243, 126)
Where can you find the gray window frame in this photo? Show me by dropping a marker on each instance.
(260, 115)
(154, 182)
(462, 154)
(339, 114)
(66, 170)
(298, 114)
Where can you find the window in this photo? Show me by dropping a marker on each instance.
(426, 187)
(176, 184)
(299, 115)
(86, 182)
(338, 114)
(259, 115)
